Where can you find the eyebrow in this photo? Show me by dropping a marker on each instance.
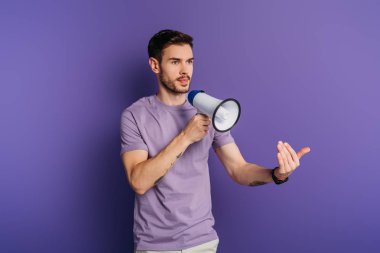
(178, 59)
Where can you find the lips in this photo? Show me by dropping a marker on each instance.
(183, 80)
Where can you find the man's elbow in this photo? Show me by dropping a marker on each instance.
(137, 184)
(232, 173)
(236, 173)
(139, 192)
(139, 189)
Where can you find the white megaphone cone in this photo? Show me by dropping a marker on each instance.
(224, 114)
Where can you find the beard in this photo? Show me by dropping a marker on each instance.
(171, 87)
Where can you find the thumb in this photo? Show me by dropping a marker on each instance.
(303, 152)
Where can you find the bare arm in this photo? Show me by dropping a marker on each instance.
(240, 171)
(252, 174)
(144, 173)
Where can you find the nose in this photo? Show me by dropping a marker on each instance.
(185, 69)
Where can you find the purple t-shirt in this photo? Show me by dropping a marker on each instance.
(176, 213)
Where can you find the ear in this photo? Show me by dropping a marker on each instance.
(154, 65)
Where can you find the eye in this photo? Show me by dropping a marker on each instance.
(190, 61)
(174, 62)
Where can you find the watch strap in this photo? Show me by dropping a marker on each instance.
(276, 180)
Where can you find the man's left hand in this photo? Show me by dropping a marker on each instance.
(288, 159)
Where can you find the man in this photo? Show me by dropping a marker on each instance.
(164, 148)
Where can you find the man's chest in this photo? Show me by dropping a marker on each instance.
(159, 129)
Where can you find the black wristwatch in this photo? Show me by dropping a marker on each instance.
(276, 180)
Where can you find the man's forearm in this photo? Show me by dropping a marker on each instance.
(146, 174)
(252, 175)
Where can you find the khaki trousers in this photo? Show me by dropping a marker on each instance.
(208, 247)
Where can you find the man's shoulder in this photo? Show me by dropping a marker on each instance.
(139, 105)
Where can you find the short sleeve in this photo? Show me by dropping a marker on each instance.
(222, 138)
(131, 138)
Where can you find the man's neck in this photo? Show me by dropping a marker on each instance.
(172, 99)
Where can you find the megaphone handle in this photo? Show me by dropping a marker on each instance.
(200, 112)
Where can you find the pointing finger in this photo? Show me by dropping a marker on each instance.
(293, 154)
(202, 115)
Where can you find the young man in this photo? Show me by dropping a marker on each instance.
(164, 148)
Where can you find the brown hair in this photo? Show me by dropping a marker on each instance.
(165, 38)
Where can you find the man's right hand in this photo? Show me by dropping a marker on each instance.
(197, 127)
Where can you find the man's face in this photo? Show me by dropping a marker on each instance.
(176, 68)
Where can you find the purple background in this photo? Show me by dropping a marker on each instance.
(306, 72)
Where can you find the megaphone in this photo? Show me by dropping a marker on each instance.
(224, 113)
